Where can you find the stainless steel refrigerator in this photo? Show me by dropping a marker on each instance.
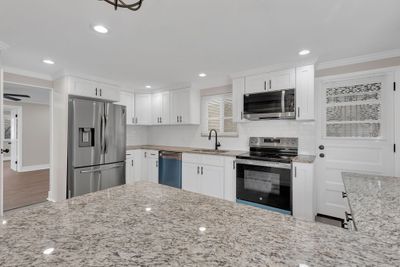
(96, 146)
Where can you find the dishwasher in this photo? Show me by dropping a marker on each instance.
(170, 169)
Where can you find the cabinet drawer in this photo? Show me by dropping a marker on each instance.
(152, 154)
(130, 154)
(203, 159)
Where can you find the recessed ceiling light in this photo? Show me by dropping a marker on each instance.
(148, 86)
(48, 61)
(148, 209)
(202, 75)
(100, 29)
(48, 251)
(202, 229)
(304, 52)
(4, 222)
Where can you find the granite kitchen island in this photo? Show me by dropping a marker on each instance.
(151, 224)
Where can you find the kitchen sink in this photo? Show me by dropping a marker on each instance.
(209, 151)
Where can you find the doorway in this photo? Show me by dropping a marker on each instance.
(26, 135)
(355, 133)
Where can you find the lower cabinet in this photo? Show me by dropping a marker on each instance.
(204, 174)
(304, 191)
(149, 165)
(132, 166)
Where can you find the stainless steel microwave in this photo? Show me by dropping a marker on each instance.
(270, 105)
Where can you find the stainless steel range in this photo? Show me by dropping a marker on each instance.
(264, 175)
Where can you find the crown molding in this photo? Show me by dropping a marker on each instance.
(27, 73)
(275, 67)
(358, 59)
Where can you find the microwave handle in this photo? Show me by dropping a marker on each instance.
(283, 101)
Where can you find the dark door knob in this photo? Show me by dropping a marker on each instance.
(321, 147)
(322, 155)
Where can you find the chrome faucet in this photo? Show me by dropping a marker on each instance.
(217, 144)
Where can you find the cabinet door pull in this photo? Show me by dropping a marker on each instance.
(132, 163)
(145, 154)
(295, 171)
(133, 120)
(265, 85)
(157, 163)
(177, 118)
(298, 112)
(198, 169)
(201, 170)
(348, 216)
(101, 92)
(270, 84)
(180, 120)
(241, 115)
(96, 91)
(160, 119)
(344, 194)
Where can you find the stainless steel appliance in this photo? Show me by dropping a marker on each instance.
(279, 104)
(96, 146)
(264, 175)
(170, 168)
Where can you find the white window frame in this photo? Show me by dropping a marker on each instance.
(204, 115)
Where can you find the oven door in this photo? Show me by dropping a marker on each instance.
(264, 183)
(270, 105)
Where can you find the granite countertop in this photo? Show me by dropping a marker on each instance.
(226, 153)
(116, 227)
(304, 159)
(375, 204)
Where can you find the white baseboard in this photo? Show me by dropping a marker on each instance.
(34, 168)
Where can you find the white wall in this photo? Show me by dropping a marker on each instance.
(35, 133)
(191, 135)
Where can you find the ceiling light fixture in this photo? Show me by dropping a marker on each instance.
(100, 29)
(48, 251)
(121, 3)
(202, 75)
(148, 209)
(48, 61)
(202, 229)
(304, 52)
(4, 222)
(148, 86)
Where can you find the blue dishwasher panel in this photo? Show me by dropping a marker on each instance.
(170, 169)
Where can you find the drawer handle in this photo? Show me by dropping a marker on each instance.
(344, 194)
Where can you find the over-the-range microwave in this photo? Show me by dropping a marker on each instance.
(280, 104)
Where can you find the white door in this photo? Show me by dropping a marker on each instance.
(156, 105)
(1, 142)
(152, 167)
(281, 80)
(14, 139)
(165, 108)
(237, 99)
(143, 109)
(127, 100)
(354, 133)
(256, 83)
(212, 181)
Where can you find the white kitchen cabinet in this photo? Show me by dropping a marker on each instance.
(279, 80)
(142, 109)
(190, 181)
(212, 181)
(305, 93)
(185, 106)
(304, 191)
(160, 108)
(149, 165)
(93, 89)
(238, 89)
(203, 174)
(130, 167)
(128, 100)
(230, 179)
(256, 83)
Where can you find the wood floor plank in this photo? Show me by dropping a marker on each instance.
(24, 188)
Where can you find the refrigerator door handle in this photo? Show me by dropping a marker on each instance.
(103, 169)
(91, 171)
(102, 134)
(105, 135)
(100, 176)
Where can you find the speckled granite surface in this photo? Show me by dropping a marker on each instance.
(113, 228)
(375, 204)
(227, 153)
(304, 159)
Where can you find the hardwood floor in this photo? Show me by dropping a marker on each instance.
(24, 188)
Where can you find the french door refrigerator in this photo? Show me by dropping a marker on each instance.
(96, 146)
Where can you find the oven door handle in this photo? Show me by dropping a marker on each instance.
(278, 165)
(283, 101)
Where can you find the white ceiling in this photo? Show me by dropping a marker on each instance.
(37, 95)
(171, 41)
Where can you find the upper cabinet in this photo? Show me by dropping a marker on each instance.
(301, 78)
(305, 93)
(238, 86)
(142, 109)
(270, 81)
(160, 108)
(93, 89)
(128, 100)
(185, 106)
